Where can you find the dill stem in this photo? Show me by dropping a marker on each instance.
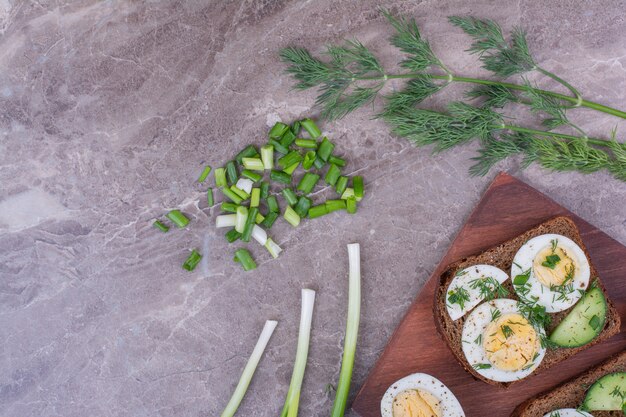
(592, 141)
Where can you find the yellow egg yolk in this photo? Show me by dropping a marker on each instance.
(510, 342)
(553, 266)
(416, 403)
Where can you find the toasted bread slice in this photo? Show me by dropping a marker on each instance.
(572, 393)
(502, 256)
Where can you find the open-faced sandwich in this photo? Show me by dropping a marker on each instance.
(524, 305)
(597, 392)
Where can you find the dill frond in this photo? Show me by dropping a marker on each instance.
(416, 91)
(494, 95)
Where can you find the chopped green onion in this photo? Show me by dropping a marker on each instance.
(357, 184)
(341, 185)
(232, 235)
(310, 126)
(205, 173)
(295, 127)
(245, 259)
(290, 159)
(259, 218)
(319, 163)
(306, 143)
(241, 219)
(334, 205)
(192, 260)
(209, 197)
(265, 189)
(267, 156)
(303, 206)
(278, 130)
(245, 185)
(280, 176)
(352, 331)
(259, 235)
(332, 175)
(231, 207)
(325, 149)
(269, 220)
(249, 225)
(349, 192)
(308, 182)
(290, 408)
(247, 152)
(241, 193)
(287, 138)
(253, 176)
(230, 194)
(255, 197)
(226, 220)
(248, 371)
(351, 205)
(309, 159)
(340, 162)
(291, 216)
(278, 147)
(161, 226)
(272, 204)
(289, 170)
(220, 177)
(231, 172)
(272, 248)
(254, 164)
(317, 211)
(178, 218)
(290, 196)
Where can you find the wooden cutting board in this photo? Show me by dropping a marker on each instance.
(508, 208)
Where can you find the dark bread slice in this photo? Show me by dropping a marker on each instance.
(502, 256)
(571, 394)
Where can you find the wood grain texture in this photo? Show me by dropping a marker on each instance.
(508, 208)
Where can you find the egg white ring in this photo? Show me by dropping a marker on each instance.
(476, 324)
(463, 279)
(568, 412)
(449, 404)
(546, 297)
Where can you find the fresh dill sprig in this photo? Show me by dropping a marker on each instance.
(458, 295)
(489, 288)
(496, 96)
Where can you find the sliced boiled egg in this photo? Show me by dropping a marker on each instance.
(568, 412)
(551, 270)
(500, 343)
(472, 285)
(420, 395)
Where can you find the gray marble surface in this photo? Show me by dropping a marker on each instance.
(109, 109)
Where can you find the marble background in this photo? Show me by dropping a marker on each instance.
(108, 111)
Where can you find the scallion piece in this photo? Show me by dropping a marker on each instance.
(226, 220)
(255, 197)
(290, 408)
(230, 207)
(290, 196)
(325, 149)
(220, 177)
(250, 223)
(278, 130)
(287, 139)
(209, 197)
(319, 163)
(247, 152)
(252, 176)
(231, 172)
(178, 218)
(248, 371)
(317, 211)
(332, 175)
(310, 126)
(351, 205)
(290, 159)
(161, 226)
(352, 331)
(289, 170)
(245, 259)
(309, 159)
(295, 127)
(265, 189)
(232, 235)
(259, 218)
(192, 260)
(254, 164)
(267, 156)
(259, 235)
(306, 143)
(357, 184)
(205, 173)
(241, 193)
(245, 185)
(269, 220)
(291, 216)
(278, 147)
(303, 206)
(280, 176)
(273, 248)
(334, 205)
(349, 192)
(241, 217)
(308, 182)
(340, 162)
(272, 204)
(341, 185)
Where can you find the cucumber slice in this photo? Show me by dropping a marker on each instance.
(607, 393)
(583, 323)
